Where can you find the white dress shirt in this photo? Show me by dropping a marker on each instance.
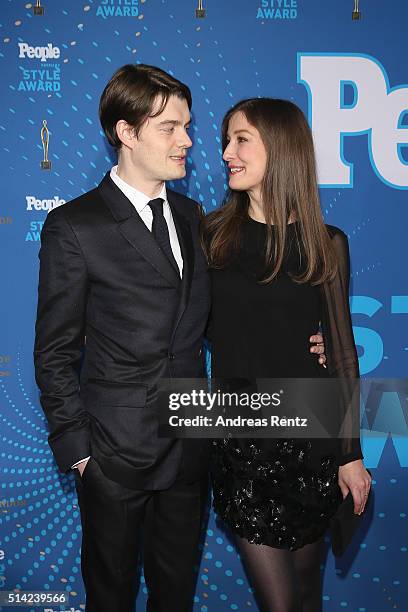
(140, 202)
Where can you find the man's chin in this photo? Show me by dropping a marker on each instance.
(175, 175)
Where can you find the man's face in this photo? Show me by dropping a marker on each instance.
(159, 153)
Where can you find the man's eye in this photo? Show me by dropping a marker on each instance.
(168, 130)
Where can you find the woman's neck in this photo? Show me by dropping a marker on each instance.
(256, 211)
(255, 208)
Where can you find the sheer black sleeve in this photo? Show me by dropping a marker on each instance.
(342, 360)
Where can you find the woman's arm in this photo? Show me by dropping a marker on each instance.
(342, 362)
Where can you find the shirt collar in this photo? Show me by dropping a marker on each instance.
(137, 198)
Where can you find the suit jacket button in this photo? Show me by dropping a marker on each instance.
(171, 356)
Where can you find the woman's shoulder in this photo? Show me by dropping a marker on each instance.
(212, 215)
(338, 238)
(218, 212)
(340, 244)
(215, 219)
(333, 231)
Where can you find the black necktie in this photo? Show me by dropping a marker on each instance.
(160, 231)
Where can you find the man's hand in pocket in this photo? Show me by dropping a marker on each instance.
(82, 465)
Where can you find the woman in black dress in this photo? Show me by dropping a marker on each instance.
(279, 272)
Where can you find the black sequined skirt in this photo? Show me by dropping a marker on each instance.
(283, 498)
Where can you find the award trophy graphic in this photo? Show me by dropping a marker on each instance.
(356, 12)
(38, 9)
(45, 139)
(200, 11)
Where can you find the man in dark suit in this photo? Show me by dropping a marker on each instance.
(122, 272)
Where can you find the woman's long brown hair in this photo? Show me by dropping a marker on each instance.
(289, 191)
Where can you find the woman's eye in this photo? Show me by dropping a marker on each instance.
(242, 139)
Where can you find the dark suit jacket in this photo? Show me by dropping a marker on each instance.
(105, 285)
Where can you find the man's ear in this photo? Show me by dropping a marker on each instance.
(126, 133)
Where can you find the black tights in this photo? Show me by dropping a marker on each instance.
(284, 581)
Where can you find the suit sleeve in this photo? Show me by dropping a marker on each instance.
(342, 353)
(60, 337)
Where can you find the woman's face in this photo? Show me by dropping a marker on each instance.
(245, 155)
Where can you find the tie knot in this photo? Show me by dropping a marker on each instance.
(156, 205)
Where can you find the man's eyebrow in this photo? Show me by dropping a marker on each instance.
(173, 122)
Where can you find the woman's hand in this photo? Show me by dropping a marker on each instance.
(354, 477)
(318, 348)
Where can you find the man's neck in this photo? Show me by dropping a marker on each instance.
(132, 178)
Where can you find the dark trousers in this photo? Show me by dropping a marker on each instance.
(112, 517)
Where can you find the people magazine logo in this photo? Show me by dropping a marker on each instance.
(277, 10)
(33, 205)
(39, 70)
(117, 8)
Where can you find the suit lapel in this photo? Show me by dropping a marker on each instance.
(134, 230)
(187, 251)
(137, 234)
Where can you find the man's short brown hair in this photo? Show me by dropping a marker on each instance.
(131, 95)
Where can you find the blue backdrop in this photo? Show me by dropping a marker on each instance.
(349, 79)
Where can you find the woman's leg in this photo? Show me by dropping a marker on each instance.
(272, 575)
(284, 581)
(307, 562)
